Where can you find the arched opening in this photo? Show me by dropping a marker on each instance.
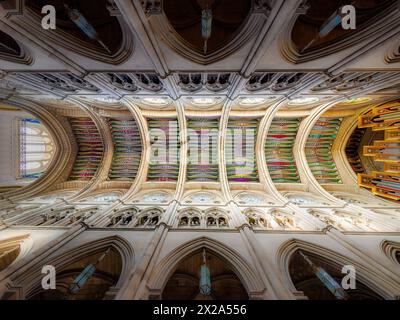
(391, 250)
(184, 284)
(87, 27)
(107, 28)
(9, 251)
(107, 265)
(317, 30)
(36, 147)
(302, 199)
(107, 197)
(123, 218)
(8, 45)
(26, 147)
(313, 274)
(11, 50)
(227, 19)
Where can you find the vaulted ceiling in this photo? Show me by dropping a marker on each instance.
(147, 69)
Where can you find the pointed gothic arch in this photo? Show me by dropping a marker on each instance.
(30, 280)
(13, 248)
(377, 285)
(175, 27)
(13, 51)
(392, 250)
(300, 44)
(64, 144)
(113, 42)
(246, 273)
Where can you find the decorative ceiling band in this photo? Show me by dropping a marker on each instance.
(279, 150)
(319, 150)
(165, 146)
(240, 157)
(90, 149)
(127, 149)
(203, 150)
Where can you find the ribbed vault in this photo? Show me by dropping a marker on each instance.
(111, 149)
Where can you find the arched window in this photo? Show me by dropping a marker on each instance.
(123, 218)
(183, 221)
(284, 220)
(301, 200)
(186, 221)
(110, 197)
(257, 220)
(36, 148)
(195, 222)
(211, 222)
(149, 219)
(216, 220)
(212, 218)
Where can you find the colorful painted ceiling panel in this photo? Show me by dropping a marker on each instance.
(90, 149)
(279, 150)
(165, 146)
(383, 184)
(240, 154)
(384, 117)
(384, 151)
(127, 149)
(203, 150)
(319, 150)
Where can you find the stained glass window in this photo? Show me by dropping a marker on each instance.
(36, 148)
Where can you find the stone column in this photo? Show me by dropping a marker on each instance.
(271, 276)
(132, 288)
(389, 281)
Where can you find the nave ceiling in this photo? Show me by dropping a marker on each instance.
(169, 134)
(111, 95)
